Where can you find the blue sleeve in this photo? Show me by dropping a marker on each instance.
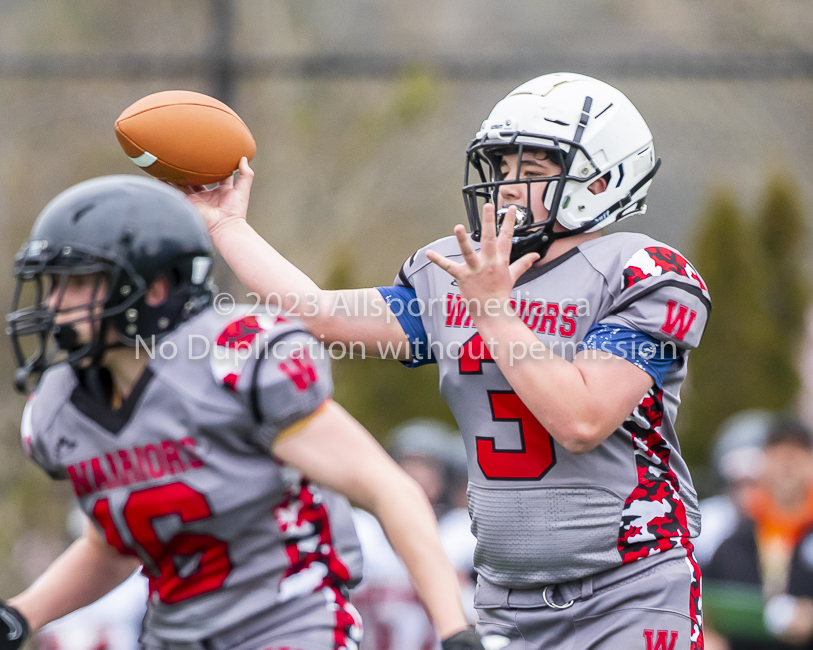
(648, 353)
(407, 309)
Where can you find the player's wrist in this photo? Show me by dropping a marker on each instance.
(14, 627)
(498, 328)
(233, 225)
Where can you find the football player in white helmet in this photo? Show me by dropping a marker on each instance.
(599, 153)
(561, 354)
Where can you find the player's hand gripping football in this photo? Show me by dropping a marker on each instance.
(226, 203)
(486, 275)
(13, 628)
(465, 640)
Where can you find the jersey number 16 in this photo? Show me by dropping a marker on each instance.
(140, 509)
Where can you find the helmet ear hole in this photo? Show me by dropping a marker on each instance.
(600, 184)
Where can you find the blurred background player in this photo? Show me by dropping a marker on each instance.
(202, 446)
(394, 618)
(768, 557)
(576, 482)
(738, 462)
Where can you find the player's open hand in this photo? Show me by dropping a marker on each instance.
(489, 274)
(224, 204)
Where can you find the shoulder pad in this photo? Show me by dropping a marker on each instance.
(658, 260)
(446, 246)
(656, 290)
(239, 341)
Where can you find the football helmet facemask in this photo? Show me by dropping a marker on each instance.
(590, 130)
(122, 233)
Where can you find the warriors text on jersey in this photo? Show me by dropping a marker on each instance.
(181, 475)
(541, 514)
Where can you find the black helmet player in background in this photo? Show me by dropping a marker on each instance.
(214, 472)
(124, 236)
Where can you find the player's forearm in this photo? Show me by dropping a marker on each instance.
(410, 525)
(554, 389)
(260, 267)
(81, 575)
(355, 317)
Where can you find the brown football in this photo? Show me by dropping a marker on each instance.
(184, 137)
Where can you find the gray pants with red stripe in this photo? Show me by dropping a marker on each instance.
(646, 605)
(323, 620)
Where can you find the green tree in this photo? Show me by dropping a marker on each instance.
(782, 232)
(754, 272)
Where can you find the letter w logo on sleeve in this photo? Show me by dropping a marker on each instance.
(679, 319)
(663, 641)
(300, 370)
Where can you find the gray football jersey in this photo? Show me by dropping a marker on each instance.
(182, 476)
(541, 514)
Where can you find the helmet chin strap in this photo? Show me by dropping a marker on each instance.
(540, 242)
(100, 346)
(66, 338)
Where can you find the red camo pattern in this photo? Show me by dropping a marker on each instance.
(240, 333)
(348, 628)
(633, 275)
(666, 259)
(657, 484)
(696, 602)
(312, 520)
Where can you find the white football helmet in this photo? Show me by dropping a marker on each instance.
(591, 130)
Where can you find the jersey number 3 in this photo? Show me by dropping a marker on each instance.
(536, 456)
(204, 560)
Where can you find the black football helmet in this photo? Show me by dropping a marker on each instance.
(124, 232)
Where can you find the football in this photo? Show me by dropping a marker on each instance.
(184, 137)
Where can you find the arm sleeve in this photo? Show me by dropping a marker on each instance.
(646, 352)
(403, 301)
(289, 381)
(406, 307)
